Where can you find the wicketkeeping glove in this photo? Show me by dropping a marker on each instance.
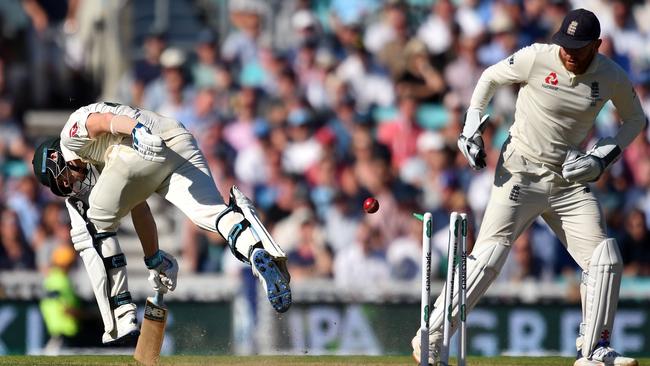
(148, 146)
(583, 168)
(470, 141)
(163, 270)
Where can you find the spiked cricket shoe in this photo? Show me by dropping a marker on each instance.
(274, 281)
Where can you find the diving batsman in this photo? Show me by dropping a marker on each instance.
(543, 171)
(108, 160)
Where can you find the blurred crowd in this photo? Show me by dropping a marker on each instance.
(314, 107)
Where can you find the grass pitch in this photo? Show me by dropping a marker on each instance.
(281, 360)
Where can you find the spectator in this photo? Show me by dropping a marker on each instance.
(303, 150)
(170, 93)
(429, 169)
(419, 78)
(404, 255)
(240, 134)
(148, 68)
(522, 265)
(61, 307)
(438, 31)
(634, 244)
(362, 265)
(49, 75)
(312, 257)
(15, 252)
(401, 134)
(391, 21)
(204, 69)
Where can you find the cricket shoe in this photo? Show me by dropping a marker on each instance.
(126, 331)
(274, 280)
(435, 343)
(605, 356)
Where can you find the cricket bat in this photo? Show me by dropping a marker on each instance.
(152, 331)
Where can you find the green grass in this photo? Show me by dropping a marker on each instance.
(281, 360)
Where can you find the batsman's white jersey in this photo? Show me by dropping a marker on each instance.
(126, 179)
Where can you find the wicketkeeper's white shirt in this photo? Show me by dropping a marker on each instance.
(555, 108)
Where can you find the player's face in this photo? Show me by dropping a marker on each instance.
(577, 60)
(73, 175)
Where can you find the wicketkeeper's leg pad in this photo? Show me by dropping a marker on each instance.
(603, 282)
(483, 266)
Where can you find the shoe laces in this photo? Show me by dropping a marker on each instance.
(603, 352)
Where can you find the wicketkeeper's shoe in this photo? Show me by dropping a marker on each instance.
(274, 280)
(126, 332)
(606, 356)
(435, 342)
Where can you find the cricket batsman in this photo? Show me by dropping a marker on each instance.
(108, 160)
(542, 171)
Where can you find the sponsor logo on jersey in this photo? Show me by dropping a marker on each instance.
(511, 60)
(74, 129)
(550, 82)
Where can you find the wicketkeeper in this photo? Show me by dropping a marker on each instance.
(542, 171)
(108, 160)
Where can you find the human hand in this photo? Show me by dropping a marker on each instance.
(473, 149)
(163, 270)
(147, 145)
(587, 167)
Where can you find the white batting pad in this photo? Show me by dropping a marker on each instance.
(83, 243)
(259, 230)
(603, 285)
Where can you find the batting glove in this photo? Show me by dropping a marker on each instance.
(147, 145)
(163, 270)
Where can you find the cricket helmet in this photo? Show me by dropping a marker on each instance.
(48, 164)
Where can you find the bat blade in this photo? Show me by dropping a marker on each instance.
(152, 332)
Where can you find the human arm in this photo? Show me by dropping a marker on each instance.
(514, 69)
(147, 145)
(163, 267)
(145, 227)
(588, 167)
(100, 123)
(37, 15)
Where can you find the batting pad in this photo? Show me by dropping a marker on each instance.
(603, 285)
(483, 266)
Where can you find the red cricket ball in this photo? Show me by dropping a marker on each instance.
(370, 205)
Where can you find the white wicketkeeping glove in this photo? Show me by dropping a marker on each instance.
(587, 167)
(148, 146)
(163, 270)
(470, 141)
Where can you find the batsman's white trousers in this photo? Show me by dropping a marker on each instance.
(522, 191)
(183, 179)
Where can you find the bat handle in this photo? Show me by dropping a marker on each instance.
(158, 299)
